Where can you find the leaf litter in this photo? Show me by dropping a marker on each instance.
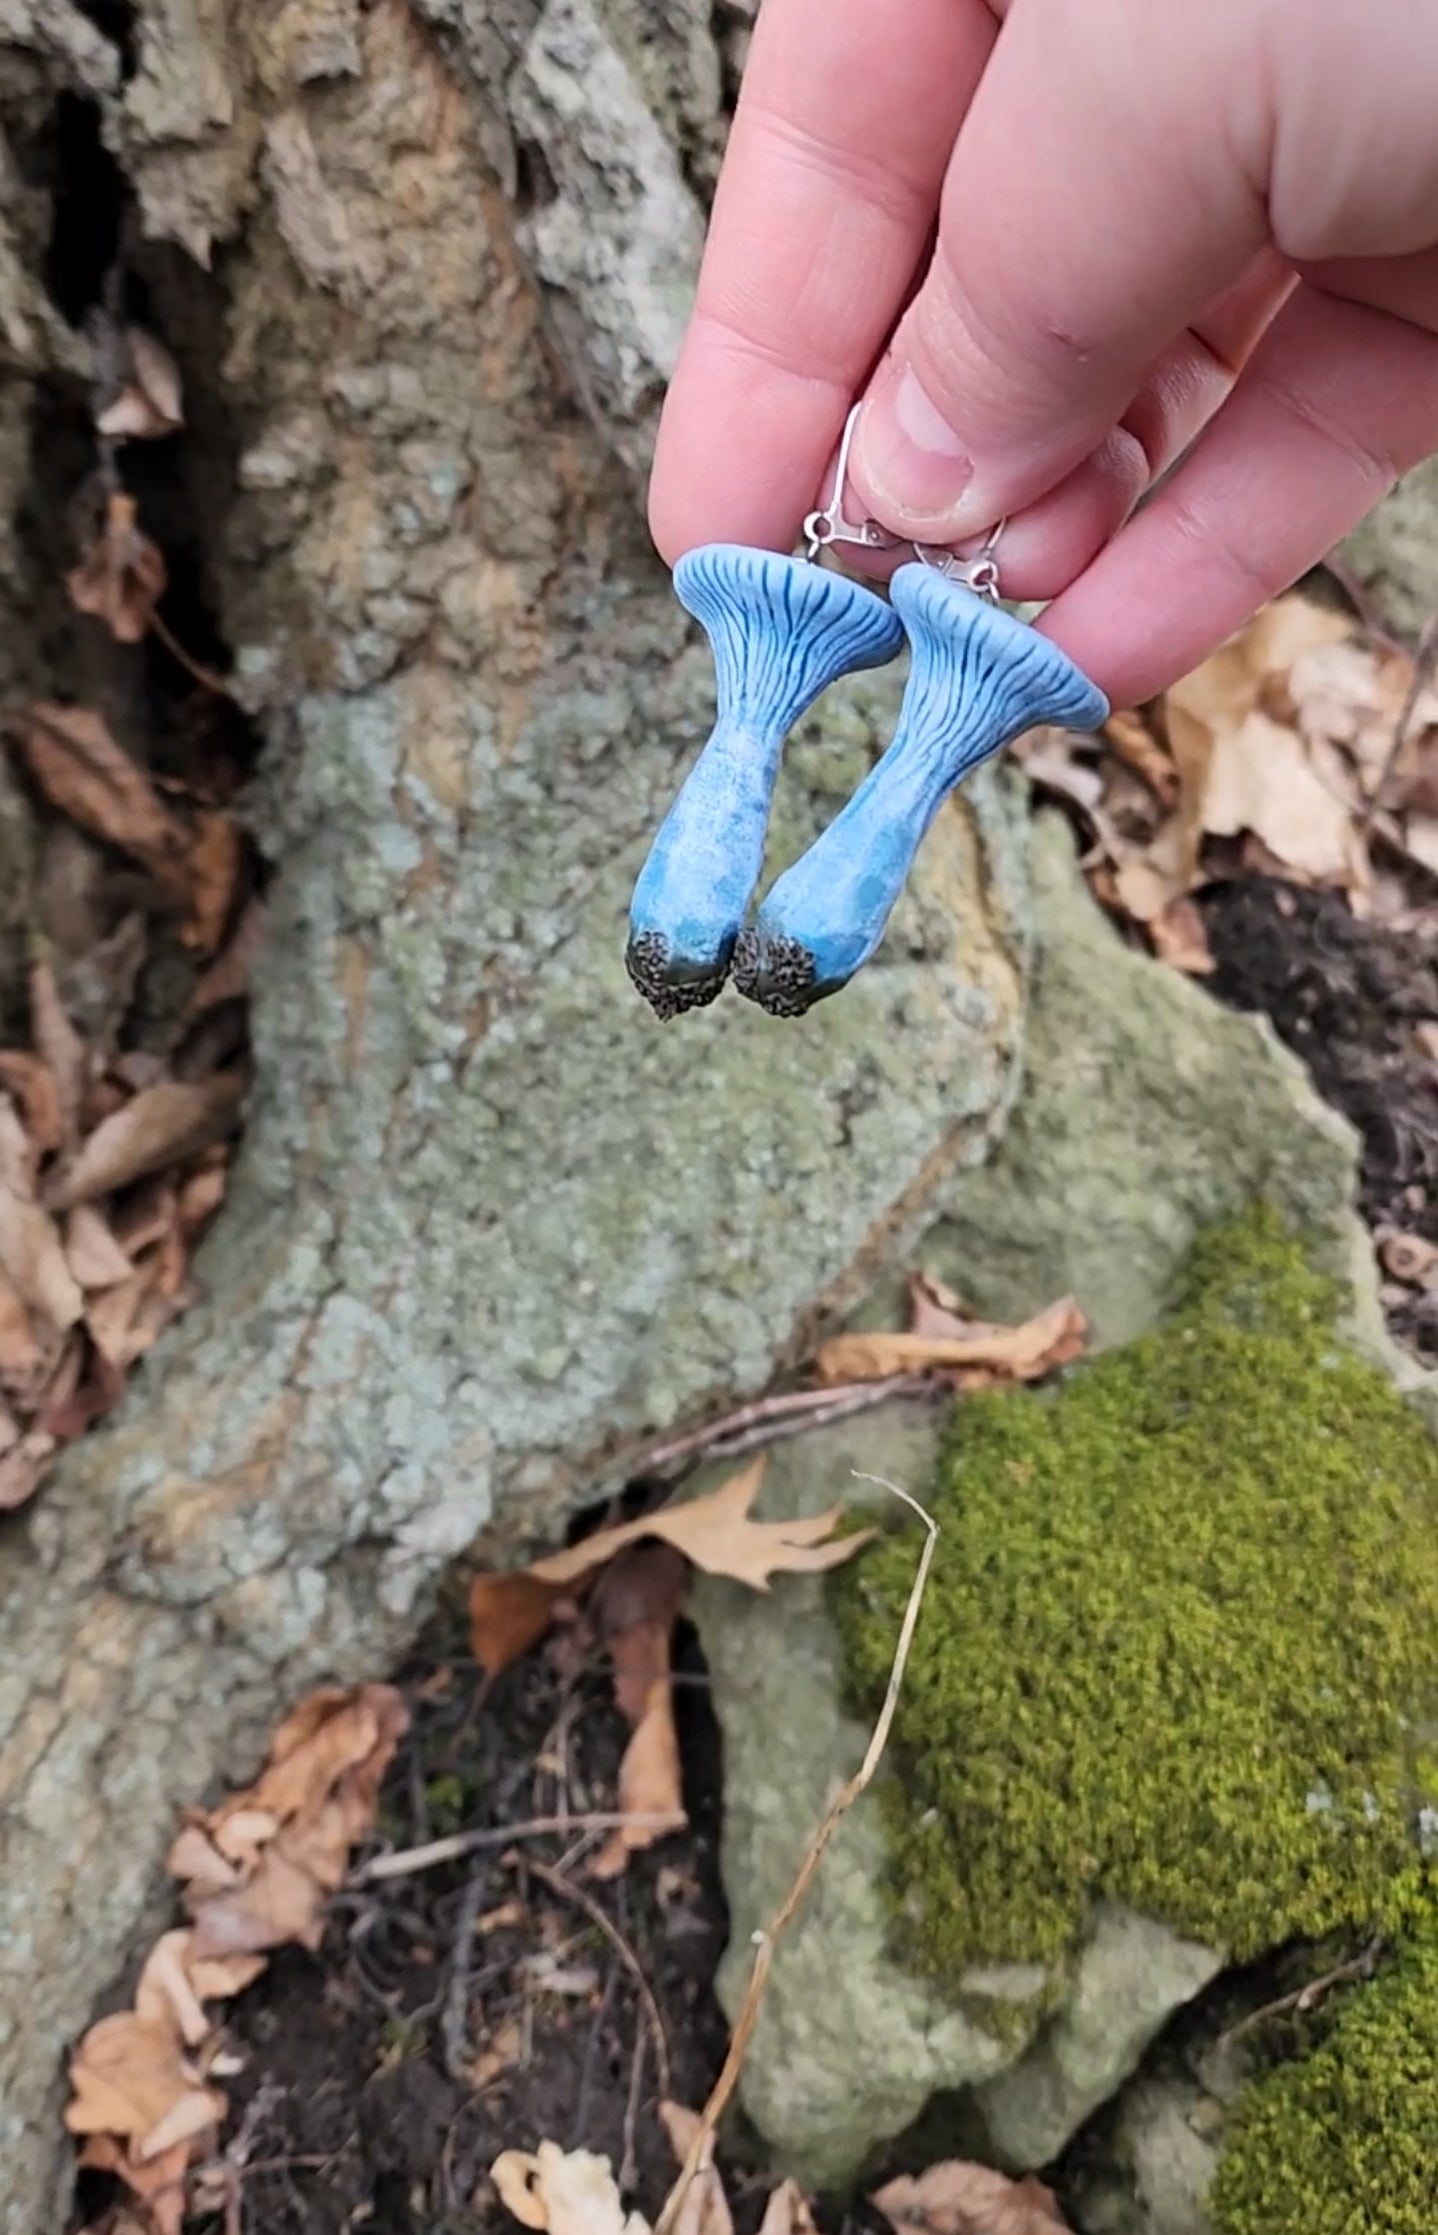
(1302, 748)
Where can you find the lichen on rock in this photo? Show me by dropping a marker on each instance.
(1180, 1639)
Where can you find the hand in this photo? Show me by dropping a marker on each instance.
(1055, 255)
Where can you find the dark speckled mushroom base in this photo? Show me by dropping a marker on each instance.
(777, 974)
(669, 986)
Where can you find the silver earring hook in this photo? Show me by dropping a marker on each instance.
(828, 525)
(979, 574)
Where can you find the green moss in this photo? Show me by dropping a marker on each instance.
(1180, 1637)
(1344, 2141)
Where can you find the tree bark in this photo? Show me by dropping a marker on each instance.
(424, 268)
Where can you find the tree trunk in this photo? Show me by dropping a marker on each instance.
(424, 268)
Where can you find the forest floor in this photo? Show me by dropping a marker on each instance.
(497, 1994)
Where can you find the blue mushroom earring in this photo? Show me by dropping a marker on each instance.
(978, 679)
(782, 631)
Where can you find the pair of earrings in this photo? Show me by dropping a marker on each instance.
(782, 630)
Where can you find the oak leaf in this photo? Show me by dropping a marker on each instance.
(957, 2198)
(509, 1613)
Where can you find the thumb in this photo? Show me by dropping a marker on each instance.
(1106, 182)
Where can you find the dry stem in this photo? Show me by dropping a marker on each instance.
(838, 1808)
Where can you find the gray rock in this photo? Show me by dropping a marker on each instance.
(1132, 1975)
(1157, 2172)
(1395, 551)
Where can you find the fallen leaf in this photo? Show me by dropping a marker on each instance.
(650, 1782)
(1129, 735)
(132, 2078)
(149, 405)
(569, 2192)
(91, 1250)
(956, 2198)
(509, 1613)
(228, 977)
(787, 2212)
(261, 1866)
(122, 576)
(159, 2182)
(21, 1356)
(159, 1126)
(216, 856)
(32, 1254)
(633, 1609)
(719, 1534)
(1261, 779)
(705, 2208)
(30, 1083)
(87, 776)
(59, 1045)
(22, 1469)
(1051, 1339)
(1180, 938)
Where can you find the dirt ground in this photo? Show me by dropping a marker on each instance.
(504, 1996)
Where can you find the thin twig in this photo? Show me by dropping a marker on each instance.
(567, 1891)
(458, 1844)
(205, 676)
(629, 2162)
(454, 2025)
(769, 1418)
(766, 1942)
(1307, 1998)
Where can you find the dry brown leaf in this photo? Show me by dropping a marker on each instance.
(216, 857)
(650, 1782)
(633, 1609)
(87, 776)
(568, 2192)
(159, 2183)
(122, 576)
(21, 1357)
(261, 1865)
(956, 2198)
(91, 1250)
(719, 1534)
(787, 2212)
(1180, 938)
(59, 1046)
(165, 1994)
(22, 1469)
(507, 1615)
(150, 404)
(705, 2209)
(31, 1084)
(1129, 735)
(228, 977)
(32, 1254)
(1261, 779)
(132, 2078)
(1051, 1339)
(501, 2052)
(158, 1127)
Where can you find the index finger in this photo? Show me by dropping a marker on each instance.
(844, 129)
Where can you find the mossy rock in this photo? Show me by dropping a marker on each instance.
(1181, 1638)
(1344, 2139)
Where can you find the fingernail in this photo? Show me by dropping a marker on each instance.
(914, 465)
